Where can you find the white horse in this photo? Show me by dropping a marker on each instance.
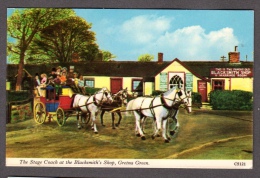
(160, 108)
(92, 104)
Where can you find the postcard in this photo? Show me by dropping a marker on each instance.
(129, 88)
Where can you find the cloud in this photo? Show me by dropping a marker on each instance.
(152, 34)
(144, 29)
(193, 43)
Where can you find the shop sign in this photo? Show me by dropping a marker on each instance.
(163, 81)
(231, 72)
(189, 81)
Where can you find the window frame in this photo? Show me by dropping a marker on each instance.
(171, 85)
(89, 79)
(132, 83)
(222, 84)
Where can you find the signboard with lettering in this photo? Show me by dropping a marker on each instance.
(189, 81)
(163, 81)
(231, 72)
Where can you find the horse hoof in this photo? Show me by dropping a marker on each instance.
(79, 127)
(117, 125)
(153, 137)
(138, 135)
(172, 133)
(168, 138)
(96, 132)
(143, 138)
(157, 135)
(166, 141)
(113, 128)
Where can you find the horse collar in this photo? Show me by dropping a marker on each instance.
(164, 103)
(94, 100)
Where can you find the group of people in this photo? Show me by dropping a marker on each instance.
(59, 77)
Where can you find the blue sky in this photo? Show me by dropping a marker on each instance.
(183, 34)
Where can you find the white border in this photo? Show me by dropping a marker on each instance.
(130, 163)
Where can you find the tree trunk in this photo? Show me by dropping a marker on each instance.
(20, 73)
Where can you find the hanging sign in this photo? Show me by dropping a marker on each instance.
(231, 72)
(163, 81)
(189, 81)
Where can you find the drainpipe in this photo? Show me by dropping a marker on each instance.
(230, 84)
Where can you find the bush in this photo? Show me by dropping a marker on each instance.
(231, 100)
(18, 95)
(91, 91)
(196, 97)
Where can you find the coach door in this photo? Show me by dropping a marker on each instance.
(202, 88)
(116, 84)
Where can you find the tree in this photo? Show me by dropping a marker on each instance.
(65, 39)
(107, 56)
(23, 25)
(145, 58)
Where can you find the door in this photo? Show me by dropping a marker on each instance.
(116, 84)
(202, 89)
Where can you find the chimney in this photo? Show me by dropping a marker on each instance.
(234, 57)
(160, 58)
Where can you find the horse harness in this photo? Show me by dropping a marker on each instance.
(175, 106)
(94, 101)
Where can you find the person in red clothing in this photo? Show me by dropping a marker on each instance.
(63, 78)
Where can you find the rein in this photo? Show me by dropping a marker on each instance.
(175, 105)
(94, 100)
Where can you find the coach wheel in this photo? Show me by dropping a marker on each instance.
(60, 117)
(39, 113)
(85, 117)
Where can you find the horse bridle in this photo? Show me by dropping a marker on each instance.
(104, 93)
(178, 100)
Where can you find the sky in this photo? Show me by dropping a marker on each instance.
(189, 35)
(183, 34)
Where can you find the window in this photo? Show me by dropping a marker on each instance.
(218, 84)
(137, 85)
(89, 82)
(175, 81)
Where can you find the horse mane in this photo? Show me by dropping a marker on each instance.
(169, 91)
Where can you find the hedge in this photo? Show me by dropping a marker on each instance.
(18, 95)
(91, 91)
(231, 100)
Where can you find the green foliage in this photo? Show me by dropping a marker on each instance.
(17, 95)
(66, 37)
(231, 100)
(107, 56)
(145, 58)
(196, 97)
(25, 24)
(91, 91)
